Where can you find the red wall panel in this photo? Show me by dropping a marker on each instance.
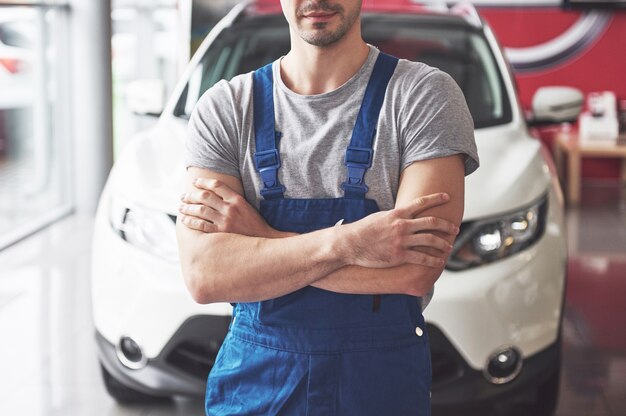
(597, 66)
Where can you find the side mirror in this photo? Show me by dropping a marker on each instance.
(146, 96)
(556, 105)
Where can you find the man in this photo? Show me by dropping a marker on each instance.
(326, 262)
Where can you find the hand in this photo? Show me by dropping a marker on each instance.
(399, 236)
(215, 207)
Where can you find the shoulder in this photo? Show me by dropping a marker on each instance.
(420, 81)
(226, 96)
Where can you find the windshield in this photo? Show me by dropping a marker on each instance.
(456, 49)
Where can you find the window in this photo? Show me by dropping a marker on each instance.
(34, 138)
(455, 48)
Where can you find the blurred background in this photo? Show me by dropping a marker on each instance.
(82, 79)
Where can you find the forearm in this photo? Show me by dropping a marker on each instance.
(407, 279)
(222, 267)
(229, 253)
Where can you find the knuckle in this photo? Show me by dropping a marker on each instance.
(400, 225)
(205, 194)
(238, 199)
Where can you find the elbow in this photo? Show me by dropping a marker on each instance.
(197, 270)
(198, 290)
(200, 285)
(422, 283)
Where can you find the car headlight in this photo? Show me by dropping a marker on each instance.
(151, 231)
(484, 241)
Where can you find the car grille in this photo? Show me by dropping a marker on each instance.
(447, 364)
(194, 348)
(193, 358)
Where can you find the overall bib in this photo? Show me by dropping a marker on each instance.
(315, 352)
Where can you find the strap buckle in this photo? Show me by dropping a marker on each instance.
(267, 160)
(267, 164)
(359, 157)
(358, 160)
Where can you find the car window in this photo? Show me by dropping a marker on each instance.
(458, 50)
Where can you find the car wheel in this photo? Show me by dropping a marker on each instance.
(124, 394)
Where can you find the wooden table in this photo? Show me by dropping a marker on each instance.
(567, 143)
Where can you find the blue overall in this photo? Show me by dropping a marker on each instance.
(315, 352)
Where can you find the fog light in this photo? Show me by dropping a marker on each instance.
(503, 365)
(130, 354)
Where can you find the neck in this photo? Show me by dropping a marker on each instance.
(312, 70)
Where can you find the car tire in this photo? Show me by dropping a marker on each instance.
(124, 394)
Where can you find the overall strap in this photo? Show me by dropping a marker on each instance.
(266, 156)
(359, 154)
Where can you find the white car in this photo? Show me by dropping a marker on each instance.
(495, 320)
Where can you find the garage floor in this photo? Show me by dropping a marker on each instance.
(48, 363)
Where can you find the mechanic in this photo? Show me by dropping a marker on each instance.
(324, 193)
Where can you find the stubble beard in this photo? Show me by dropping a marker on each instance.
(320, 35)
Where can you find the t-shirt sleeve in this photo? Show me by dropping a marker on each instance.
(212, 138)
(435, 122)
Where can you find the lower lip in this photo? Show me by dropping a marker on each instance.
(319, 19)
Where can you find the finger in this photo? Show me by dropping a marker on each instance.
(199, 211)
(205, 197)
(197, 224)
(423, 203)
(428, 240)
(428, 260)
(432, 224)
(220, 189)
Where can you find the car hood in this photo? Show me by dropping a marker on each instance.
(150, 171)
(513, 172)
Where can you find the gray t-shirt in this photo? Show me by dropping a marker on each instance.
(424, 116)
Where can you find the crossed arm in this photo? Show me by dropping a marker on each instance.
(228, 252)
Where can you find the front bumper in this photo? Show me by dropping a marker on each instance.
(182, 366)
(457, 385)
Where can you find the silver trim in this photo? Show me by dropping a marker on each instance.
(515, 373)
(571, 43)
(125, 361)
